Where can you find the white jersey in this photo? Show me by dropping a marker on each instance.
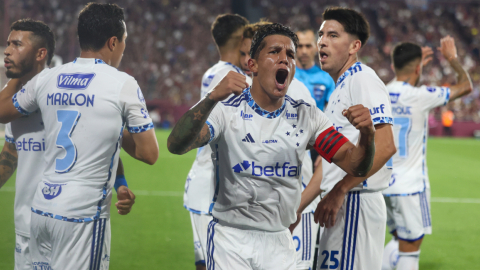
(85, 105)
(358, 85)
(199, 185)
(258, 160)
(27, 133)
(410, 107)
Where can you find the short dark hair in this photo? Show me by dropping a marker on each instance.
(404, 53)
(251, 29)
(267, 30)
(99, 22)
(225, 25)
(352, 21)
(42, 34)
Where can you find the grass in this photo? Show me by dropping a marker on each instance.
(157, 233)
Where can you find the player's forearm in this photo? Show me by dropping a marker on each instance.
(464, 83)
(362, 156)
(186, 131)
(6, 95)
(312, 190)
(462, 74)
(8, 163)
(385, 149)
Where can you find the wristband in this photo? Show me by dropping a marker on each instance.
(120, 181)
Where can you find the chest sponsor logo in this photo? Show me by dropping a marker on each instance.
(291, 115)
(279, 170)
(394, 97)
(402, 110)
(30, 145)
(51, 191)
(246, 116)
(74, 81)
(376, 110)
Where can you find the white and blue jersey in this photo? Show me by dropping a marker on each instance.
(199, 185)
(318, 82)
(358, 85)
(410, 107)
(85, 106)
(28, 135)
(258, 160)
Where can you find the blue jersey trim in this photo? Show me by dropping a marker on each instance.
(217, 180)
(201, 262)
(261, 111)
(447, 98)
(196, 211)
(411, 240)
(140, 129)
(9, 139)
(296, 103)
(382, 120)
(212, 133)
(63, 218)
(17, 105)
(350, 71)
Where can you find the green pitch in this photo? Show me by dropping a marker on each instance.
(157, 233)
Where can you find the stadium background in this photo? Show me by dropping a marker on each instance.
(170, 47)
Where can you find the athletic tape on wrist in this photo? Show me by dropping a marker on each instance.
(328, 143)
(120, 181)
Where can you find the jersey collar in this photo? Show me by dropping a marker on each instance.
(259, 110)
(239, 70)
(81, 60)
(347, 73)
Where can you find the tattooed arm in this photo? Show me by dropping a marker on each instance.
(191, 131)
(8, 162)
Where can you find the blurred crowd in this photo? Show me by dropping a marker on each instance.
(169, 45)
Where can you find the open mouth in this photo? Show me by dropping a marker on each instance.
(281, 77)
(323, 56)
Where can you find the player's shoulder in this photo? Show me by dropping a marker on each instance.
(361, 71)
(233, 102)
(220, 69)
(297, 103)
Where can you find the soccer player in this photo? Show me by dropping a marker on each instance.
(227, 30)
(303, 236)
(84, 106)
(258, 180)
(408, 196)
(352, 209)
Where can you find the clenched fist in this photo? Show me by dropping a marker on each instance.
(360, 118)
(232, 83)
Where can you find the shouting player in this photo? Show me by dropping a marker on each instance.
(352, 209)
(227, 30)
(408, 196)
(85, 105)
(258, 180)
(304, 235)
(30, 48)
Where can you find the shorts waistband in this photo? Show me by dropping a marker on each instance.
(229, 226)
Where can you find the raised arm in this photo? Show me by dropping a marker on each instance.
(464, 84)
(8, 112)
(8, 162)
(191, 131)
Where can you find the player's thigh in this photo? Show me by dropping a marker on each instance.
(409, 216)
(277, 251)
(304, 239)
(22, 253)
(228, 248)
(390, 206)
(356, 240)
(80, 246)
(200, 230)
(40, 242)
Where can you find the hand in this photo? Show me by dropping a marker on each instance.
(232, 83)
(327, 208)
(427, 55)
(126, 199)
(360, 118)
(292, 227)
(447, 48)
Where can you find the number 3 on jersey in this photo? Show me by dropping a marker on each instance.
(69, 120)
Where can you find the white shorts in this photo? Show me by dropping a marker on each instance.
(230, 248)
(200, 227)
(356, 240)
(22, 253)
(57, 244)
(409, 216)
(304, 238)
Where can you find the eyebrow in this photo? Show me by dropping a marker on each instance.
(328, 32)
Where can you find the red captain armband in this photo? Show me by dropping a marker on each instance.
(328, 143)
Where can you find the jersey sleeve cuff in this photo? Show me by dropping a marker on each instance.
(447, 96)
(328, 143)
(382, 120)
(18, 107)
(212, 131)
(9, 139)
(140, 129)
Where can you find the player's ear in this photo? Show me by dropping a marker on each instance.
(253, 66)
(355, 46)
(418, 69)
(112, 43)
(41, 54)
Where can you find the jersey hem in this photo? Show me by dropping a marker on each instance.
(196, 211)
(24, 234)
(64, 218)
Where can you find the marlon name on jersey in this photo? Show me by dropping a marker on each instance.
(284, 170)
(74, 81)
